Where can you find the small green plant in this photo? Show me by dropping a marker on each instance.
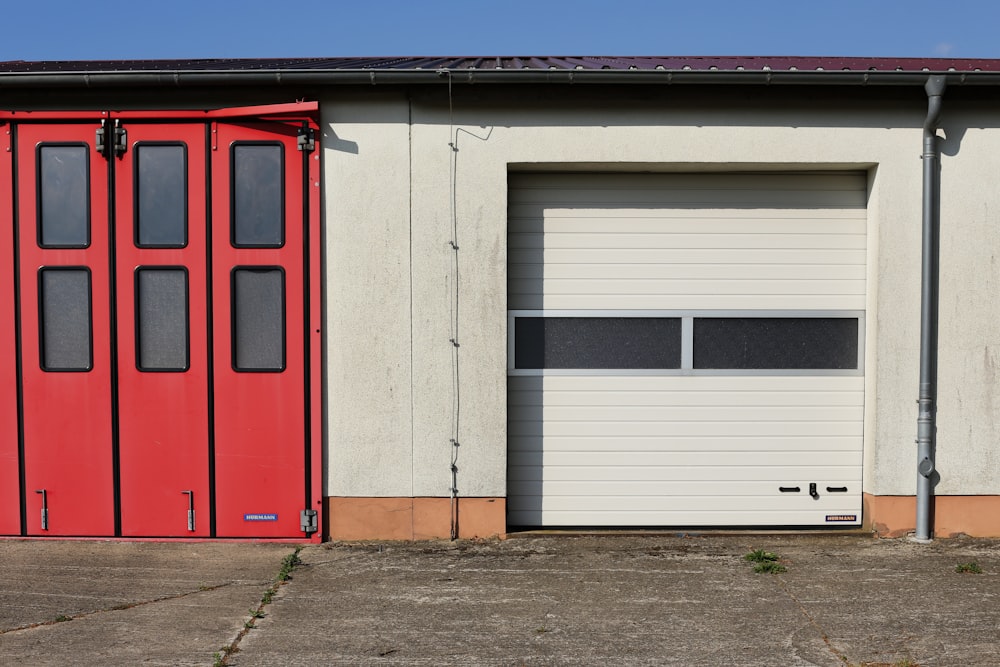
(769, 566)
(761, 556)
(764, 561)
(63, 619)
(969, 568)
(288, 564)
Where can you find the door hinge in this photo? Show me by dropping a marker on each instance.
(307, 139)
(117, 142)
(309, 521)
(101, 139)
(121, 139)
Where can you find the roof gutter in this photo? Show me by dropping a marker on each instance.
(300, 77)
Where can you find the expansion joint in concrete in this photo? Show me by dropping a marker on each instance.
(837, 653)
(118, 607)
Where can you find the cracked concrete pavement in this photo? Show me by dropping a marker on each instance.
(127, 603)
(568, 600)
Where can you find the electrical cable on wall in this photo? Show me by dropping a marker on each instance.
(456, 411)
(452, 282)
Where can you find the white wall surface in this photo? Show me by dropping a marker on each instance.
(389, 274)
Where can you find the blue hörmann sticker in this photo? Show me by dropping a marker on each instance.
(260, 517)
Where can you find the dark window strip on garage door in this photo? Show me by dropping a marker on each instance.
(688, 342)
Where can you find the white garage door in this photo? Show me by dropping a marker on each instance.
(686, 349)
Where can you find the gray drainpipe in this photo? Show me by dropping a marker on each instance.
(926, 412)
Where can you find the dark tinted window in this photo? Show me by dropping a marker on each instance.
(597, 342)
(775, 343)
(258, 196)
(258, 319)
(64, 311)
(63, 197)
(162, 319)
(161, 196)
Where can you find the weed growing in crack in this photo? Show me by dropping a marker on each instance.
(288, 565)
(765, 561)
(969, 568)
(63, 619)
(761, 556)
(220, 657)
(771, 567)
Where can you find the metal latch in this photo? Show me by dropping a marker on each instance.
(306, 141)
(45, 508)
(309, 521)
(190, 513)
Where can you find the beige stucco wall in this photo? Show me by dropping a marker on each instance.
(389, 176)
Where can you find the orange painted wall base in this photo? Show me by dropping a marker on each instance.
(430, 518)
(413, 518)
(896, 516)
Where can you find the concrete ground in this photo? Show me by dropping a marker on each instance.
(582, 600)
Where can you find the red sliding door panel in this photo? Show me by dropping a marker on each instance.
(10, 496)
(258, 287)
(161, 268)
(65, 332)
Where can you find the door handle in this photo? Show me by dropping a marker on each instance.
(190, 513)
(45, 508)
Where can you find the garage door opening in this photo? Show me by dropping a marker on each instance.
(686, 349)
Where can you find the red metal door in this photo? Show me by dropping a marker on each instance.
(162, 323)
(65, 316)
(167, 380)
(260, 296)
(10, 494)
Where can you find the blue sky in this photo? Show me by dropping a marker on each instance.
(117, 29)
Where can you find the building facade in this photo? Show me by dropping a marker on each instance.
(411, 299)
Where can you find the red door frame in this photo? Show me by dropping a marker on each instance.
(285, 119)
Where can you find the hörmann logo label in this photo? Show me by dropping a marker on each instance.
(260, 517)
(841, 517)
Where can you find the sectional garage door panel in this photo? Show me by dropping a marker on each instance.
(658, 241)
(679, 450)
(718, 437)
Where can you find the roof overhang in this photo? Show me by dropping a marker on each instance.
(284, 77)
(641, 70)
